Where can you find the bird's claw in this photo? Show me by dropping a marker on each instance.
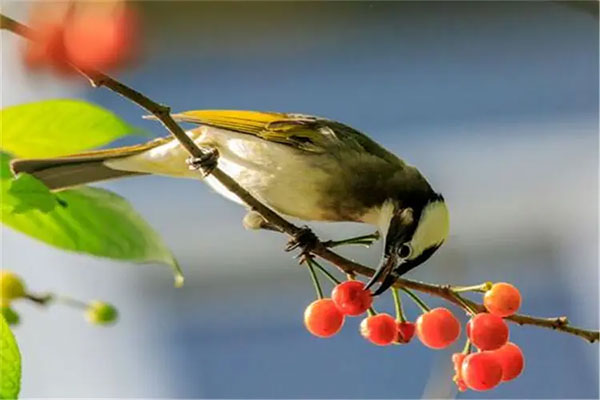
(305, 240)
(206, 163)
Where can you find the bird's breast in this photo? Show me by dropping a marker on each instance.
(326, 186)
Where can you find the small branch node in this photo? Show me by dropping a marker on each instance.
(162, 111)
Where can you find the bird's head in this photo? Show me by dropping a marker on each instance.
(411, 235)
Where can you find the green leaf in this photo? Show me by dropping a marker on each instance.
(10, 363)
(31, 194)
(5, 172)
(87, 220)
(58, 127)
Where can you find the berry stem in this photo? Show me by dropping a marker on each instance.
(324, 271)
(416, 299)
(464, 304)
(467, 348)
(398, 303)
(371, 312)
(314, 278)
(71, 302)
(41, 299)
(484, 287)
(47, 298)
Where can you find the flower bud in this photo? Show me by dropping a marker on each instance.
(101, 313)
(11, 287)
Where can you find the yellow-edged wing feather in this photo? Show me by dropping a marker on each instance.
(300, 131)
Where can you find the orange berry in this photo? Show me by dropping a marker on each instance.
(322, 318)
(379, 329)
(511, 358)
(487, 331)
(351, 298)
(503, 299)
(438, 328)
(481, 371)
(406, 331)
(457, 360)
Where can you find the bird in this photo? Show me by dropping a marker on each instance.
(301, 166)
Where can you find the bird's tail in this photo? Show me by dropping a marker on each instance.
(79, 169)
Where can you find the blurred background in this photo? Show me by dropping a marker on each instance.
(496, 103)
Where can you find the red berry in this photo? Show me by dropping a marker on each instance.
(511, 358)
(406, 331)
(47, 49)
(438, 328)
(503, 299)
(322, 318)
(457, 360)
(351, 298)
(99, 35)
(379, 329)
(481, 371)
(487, 331)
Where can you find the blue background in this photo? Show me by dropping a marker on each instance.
(496, 103)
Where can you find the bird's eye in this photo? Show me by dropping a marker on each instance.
(404, 251)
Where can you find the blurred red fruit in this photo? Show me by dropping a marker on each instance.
(379, 329)
(481, 371)
(457, 360)
(438, 328)
(322, 318)
(99, 36)
(503, 299)
(351, 298)
(511, 359)
(487, 331)
(47, 48)
(406, 331)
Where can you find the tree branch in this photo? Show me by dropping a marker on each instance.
(162, 113)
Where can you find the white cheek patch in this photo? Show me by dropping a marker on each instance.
(433, 228)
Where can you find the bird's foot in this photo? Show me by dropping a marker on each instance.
(305, 240)
(253, 221)
(206, 163)
(364, 240)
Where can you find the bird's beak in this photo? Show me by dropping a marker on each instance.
(397, 232)
(385, 271)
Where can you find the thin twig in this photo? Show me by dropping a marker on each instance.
(334, 281)
(162, 112)
(314, 278)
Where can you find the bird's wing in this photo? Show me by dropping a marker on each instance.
(303, 132)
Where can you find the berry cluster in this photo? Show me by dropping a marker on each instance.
(87, 35)
(497, 360)
(436, 328)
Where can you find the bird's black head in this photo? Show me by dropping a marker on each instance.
(411, 235)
